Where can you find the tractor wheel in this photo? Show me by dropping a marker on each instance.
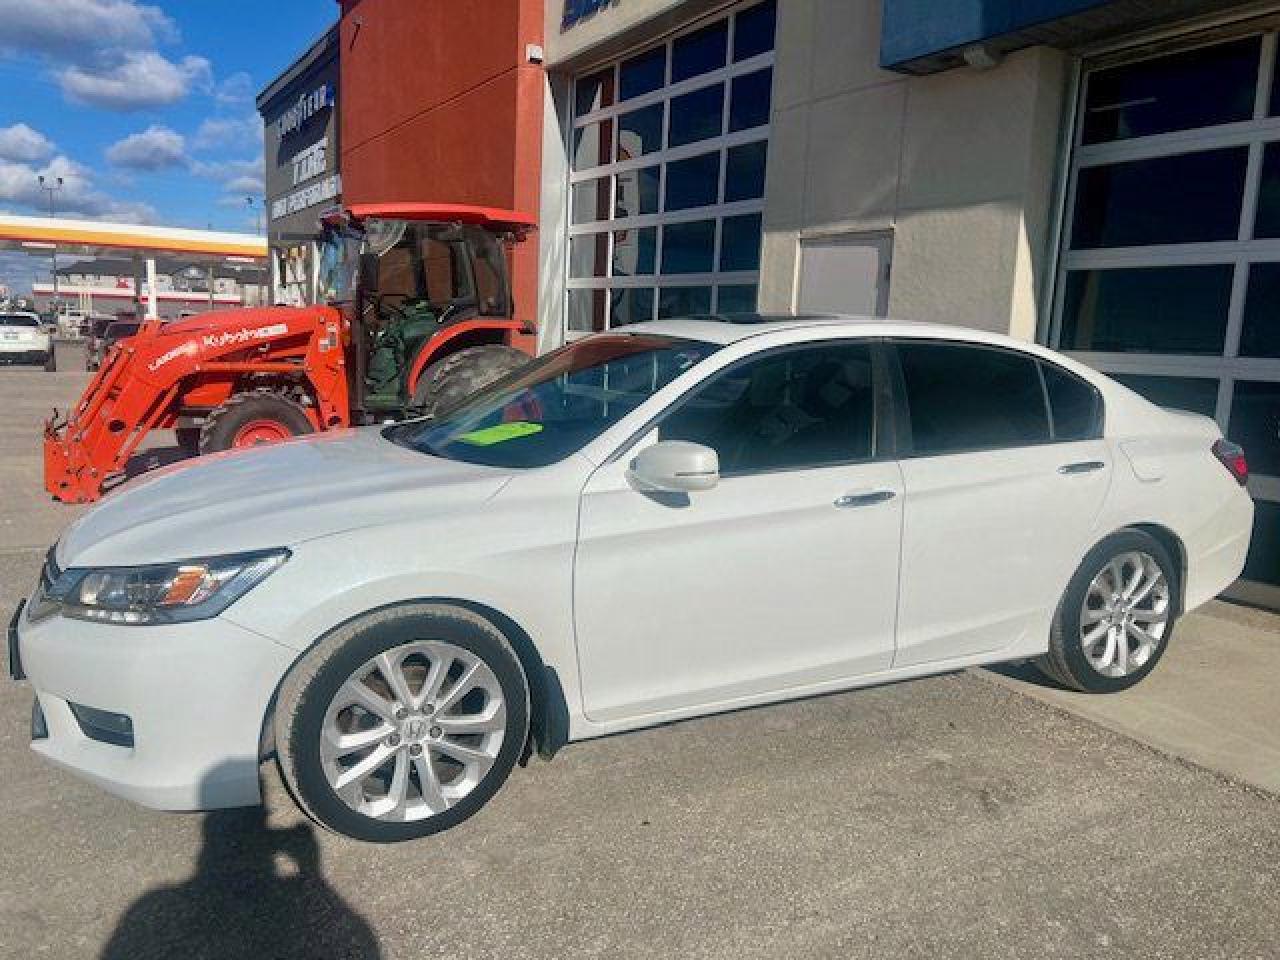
(454, 378)
(251, 420)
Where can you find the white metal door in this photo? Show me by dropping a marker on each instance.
(848, 273)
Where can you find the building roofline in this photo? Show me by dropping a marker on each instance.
(316, 53)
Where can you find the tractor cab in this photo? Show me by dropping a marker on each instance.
(409, 276)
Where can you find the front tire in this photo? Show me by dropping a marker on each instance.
(452, 379)
(251, 420)
(1114, 621)
(403, 723)
(51, 361)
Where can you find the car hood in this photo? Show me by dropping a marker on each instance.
(271, 497)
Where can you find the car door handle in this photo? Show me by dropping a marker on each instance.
(864, 499)
(1085, 466)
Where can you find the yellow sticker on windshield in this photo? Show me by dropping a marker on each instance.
(501, 433)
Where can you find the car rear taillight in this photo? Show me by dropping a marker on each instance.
(1231, 456)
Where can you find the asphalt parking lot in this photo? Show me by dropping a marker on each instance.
(948, 817)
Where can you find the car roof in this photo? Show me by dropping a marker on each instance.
(732, 328)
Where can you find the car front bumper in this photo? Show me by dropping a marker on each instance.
(197, 695)
(23, 350)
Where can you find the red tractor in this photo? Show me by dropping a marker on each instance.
(417, 315)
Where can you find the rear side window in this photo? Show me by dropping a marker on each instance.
(1076, 406)
(963, 397)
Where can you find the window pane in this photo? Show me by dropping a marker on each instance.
(689, 247)
(697, 116)
(1267, 223)
(1260, 336)
(591, 200)
(586, 310)
(683, 302)
(1076, 406)
(640, 132)
(1181, 199)
(1197, 88)
(736, 298)
(744, 172)
(637, 192)
(740, 243)
(1255, 424)
(699, 52)
(643, 74)
(588, 255)
(971, 398)
(1197, 394)
(1263, 564)
(1147, 310)
(799, 408)
(593, 92)
(750, 99)
(631, 305)
(694, 182)
(753, 31)
(634, 252)
(593, 145)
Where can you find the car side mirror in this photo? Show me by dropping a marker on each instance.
(369, 273)
(674, 466)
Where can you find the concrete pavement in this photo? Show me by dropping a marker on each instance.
(948, 817)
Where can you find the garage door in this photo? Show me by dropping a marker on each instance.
(1170, 275)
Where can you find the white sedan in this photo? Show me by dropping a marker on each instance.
(659, 522)
(24, 340)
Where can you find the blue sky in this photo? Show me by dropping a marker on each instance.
(144, 108)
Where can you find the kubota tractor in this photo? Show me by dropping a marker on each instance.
(416, 315)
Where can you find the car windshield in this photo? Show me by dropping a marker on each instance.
(557, 404)
(18, 320)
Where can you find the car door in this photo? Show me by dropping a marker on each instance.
(1001, 495)
(780, 578)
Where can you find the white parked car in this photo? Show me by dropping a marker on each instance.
(660, 522)
(23, 339)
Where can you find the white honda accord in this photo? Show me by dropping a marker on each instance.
(654, 523)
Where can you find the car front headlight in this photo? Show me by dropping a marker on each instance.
(177, 592)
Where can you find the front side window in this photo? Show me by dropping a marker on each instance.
(962, 397)
(557, 404)
(809, 407)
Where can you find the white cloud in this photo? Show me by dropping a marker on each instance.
(235, 89)
(23, 144)
(78, 30)
(243, 186)
(223, 132)
(156, 148)
(19, 183)
(142, 79)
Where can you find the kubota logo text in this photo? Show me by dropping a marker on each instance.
(218, 340)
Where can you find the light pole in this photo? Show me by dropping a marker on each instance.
(257, 211)
(51, 187)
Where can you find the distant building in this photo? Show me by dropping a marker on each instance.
(106, 286)
(300, 115)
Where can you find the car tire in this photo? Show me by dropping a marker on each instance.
(251, 419)
(51, 361)
(188, 440)
(1106, 638)
(421, 637)
(452, 379)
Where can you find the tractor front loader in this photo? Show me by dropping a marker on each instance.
(417, 315)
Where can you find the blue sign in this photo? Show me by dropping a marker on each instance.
(575, 10)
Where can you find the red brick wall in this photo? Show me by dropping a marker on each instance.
(440, 104)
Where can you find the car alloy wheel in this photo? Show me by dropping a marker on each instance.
(1125, 614)
(413, 731)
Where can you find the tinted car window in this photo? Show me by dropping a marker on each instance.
(808, 407)
(18, 320)
(963, 397)
(1075, 405)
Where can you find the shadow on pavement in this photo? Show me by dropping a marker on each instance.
(257, 892)
(1025, 671)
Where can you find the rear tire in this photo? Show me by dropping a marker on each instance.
(253, 419)
(1107, 635)
(51, 361)
(352, 787)
(450, 380)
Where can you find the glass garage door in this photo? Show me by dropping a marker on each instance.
(1170, 275)
(668, 155)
